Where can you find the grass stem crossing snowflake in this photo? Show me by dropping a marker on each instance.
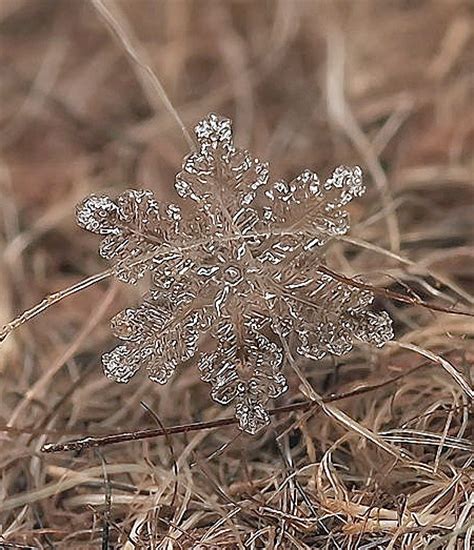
(237, 269)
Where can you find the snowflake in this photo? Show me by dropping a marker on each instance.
(234, 276)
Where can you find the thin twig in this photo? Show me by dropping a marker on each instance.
(390, 294)
(52, 299)
(100, 441)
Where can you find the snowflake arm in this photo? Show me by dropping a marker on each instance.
(137, 230)
(247, 373)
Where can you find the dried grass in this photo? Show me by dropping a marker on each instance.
(386, 84)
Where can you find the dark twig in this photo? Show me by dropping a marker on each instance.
(100, 441)
(389, 294)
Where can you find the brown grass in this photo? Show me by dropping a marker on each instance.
(308, 84)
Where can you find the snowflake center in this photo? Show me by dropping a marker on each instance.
(232, 275)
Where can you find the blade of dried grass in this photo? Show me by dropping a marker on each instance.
(341, 114)
(444, 363)
(155, 92)
(68, 482)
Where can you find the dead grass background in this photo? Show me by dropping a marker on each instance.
(386, 84)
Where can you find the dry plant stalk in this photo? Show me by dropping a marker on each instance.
(240, 267)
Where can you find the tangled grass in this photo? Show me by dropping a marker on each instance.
(383, 84)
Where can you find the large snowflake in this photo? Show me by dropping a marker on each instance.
(234, 276)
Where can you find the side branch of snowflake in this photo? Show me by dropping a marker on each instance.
(237, 269)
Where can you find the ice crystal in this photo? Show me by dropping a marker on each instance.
(238, 271)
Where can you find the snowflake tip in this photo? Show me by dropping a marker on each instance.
(214, 131)
(119, 365)
(95, 214)
(252, 416)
